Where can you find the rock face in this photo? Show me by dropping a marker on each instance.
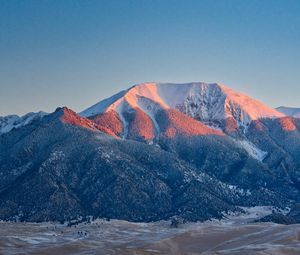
(152, 152)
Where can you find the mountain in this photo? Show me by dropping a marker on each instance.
(152, 152)
(62, 167)
(213, 104)
(7, 123)
(289, 111)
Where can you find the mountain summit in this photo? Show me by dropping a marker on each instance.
(213, 104)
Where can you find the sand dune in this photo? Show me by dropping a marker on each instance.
(235, 235)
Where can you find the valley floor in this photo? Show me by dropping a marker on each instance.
(234, 235)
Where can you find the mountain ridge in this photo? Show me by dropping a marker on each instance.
(289, 111)
(9, 122)
(151, 156)
(214, 104)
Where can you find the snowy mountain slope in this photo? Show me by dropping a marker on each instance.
(209, 103)
(62, 168)
(7, 123)
(289, 111)
(252, 150)
(102, 105)
(170, 162)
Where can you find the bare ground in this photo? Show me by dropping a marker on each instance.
(235, 235)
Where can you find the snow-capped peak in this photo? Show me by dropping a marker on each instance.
(289, 111)
(206, 102)
(7, 123)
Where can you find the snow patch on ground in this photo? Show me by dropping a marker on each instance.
(250, 214)
(240, 191)
(120, 110)
(252, 150)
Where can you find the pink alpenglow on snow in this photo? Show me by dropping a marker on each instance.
(211, 104)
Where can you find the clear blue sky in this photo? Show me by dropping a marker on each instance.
(75, 53)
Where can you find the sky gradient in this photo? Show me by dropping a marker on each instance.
(75, 53)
